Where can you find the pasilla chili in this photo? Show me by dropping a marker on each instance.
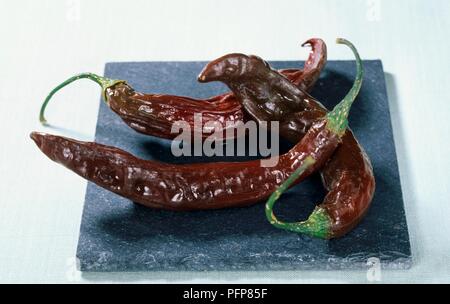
(308, 76)
(154, 114)
(198, 186)
(347, 176)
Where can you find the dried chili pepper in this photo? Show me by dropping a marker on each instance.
(347, 176)
(198, 186)
(308, 76)
(154, 114)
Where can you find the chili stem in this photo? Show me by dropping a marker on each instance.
(317, 225)
(102, 81)
(337, 118)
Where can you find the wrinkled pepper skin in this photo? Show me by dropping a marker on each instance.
(198, 186)
(308, 76)
(186, 187)
(154, 114)
(268, 96)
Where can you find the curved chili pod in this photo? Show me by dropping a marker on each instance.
(154, 114)
(185, 187)
(312, 68)
(198, 186)
(347, 176)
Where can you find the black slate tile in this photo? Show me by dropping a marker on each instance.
(117, 235)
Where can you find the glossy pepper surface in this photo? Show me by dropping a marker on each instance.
(154, 114)
(197, 186)
(266, 95)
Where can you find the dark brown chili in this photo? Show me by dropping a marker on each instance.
(154, 114)
(266, 96)
(199, 186)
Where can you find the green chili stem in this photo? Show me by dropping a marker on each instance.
(102, 81)
(337, 118)
(317, 225)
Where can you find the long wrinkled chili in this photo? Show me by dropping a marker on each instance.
(347, 176)
(154, 114)
(198, 186)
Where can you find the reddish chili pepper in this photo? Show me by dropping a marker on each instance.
(154, 114)
(308, 76)
(347, 176)
(198, 186)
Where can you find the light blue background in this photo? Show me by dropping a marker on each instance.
(44, 42)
